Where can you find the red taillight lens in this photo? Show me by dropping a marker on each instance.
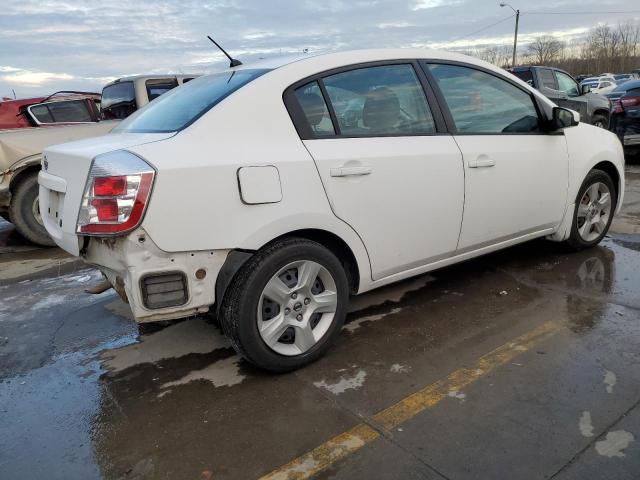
(110, 186)
(630, 101)
(617, 106)
(106, 209)
(116, 195)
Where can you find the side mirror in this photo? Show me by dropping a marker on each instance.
(585, 89)
(564, 118)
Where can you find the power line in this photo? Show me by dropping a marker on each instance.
(485, 28)
(620, 12)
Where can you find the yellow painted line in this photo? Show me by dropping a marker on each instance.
(340, 446)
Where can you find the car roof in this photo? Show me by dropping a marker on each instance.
(623, 87)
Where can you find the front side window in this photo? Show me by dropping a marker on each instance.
(314, 109)
(155, 88)
(71, 111)
(118, 100)
(180, 107)
(483, 103)
(547, 78)
(383, 100)
(567, 84)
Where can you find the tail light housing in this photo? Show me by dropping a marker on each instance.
(616, 106)
(630, 101)
(116, 194)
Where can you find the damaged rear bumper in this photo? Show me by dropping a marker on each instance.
(158, 285)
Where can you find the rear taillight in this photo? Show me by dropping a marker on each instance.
(616, 106)
(116, 194)
(630, 101)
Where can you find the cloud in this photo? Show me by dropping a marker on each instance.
(76, 44)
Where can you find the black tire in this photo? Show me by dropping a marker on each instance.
(21, 211)
(575, 241)
(238, 313)
(600, 121)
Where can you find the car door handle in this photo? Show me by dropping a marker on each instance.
(350, 171)
(481, 163)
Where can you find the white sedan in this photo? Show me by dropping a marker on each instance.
(270, 193)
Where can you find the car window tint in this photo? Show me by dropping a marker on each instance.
(384, 100)
(41, 113)
(118, 100)
(483, 103)
(547, 78)
(62, 112)
(155, 88)
(567, 85)
(315, 109)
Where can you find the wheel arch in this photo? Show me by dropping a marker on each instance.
(338, 246)
(22, 172)
(610, 169)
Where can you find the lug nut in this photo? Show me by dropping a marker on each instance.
(287, 311)
(307, 301)
(294, 295)
(299, 318)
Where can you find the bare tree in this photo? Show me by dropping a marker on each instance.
(545, 49)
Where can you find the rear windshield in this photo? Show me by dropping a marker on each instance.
(118, 101)
(182, 106)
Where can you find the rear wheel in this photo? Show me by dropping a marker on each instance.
(286, 305)
(24, 211)
(593, 213)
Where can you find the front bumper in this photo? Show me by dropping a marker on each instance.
(135, 266)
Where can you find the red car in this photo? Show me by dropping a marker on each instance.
(65, 107)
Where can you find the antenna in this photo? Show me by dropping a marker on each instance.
(232, 61)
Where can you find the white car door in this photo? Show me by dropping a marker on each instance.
(388, 169)
(516, 174)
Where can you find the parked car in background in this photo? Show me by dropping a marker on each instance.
(625, 118)
(623, 77)
(21, 150)
(65, 107)
(602, 84)
(275, 191)
(561, 88)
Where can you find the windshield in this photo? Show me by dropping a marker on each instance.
(182, 106)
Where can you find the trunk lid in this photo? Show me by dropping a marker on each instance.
(63, 177)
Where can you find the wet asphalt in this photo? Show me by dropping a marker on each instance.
(85, 394)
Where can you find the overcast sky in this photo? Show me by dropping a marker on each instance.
(48, 45)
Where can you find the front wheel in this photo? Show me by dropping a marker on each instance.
(600, 121)
(593, 213)
(286, 305)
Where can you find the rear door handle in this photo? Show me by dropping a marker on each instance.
(350, 171)
(481, 163)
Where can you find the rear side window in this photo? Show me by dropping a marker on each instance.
(483, 103)
(548, 79)
(381, 100)
(182, 106)
(155, 88)
(118, 101)
(314, 109)
(525, 76)
(62, 112)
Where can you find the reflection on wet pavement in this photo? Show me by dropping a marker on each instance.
(99, 399)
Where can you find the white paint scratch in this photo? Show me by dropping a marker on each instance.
(353, 326)
(344, 384)
(610, 380)
(585, 425)
(614, 444)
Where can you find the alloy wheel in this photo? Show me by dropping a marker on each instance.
(296, 307)
(594, 211)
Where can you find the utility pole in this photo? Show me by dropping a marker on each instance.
(515, 36)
